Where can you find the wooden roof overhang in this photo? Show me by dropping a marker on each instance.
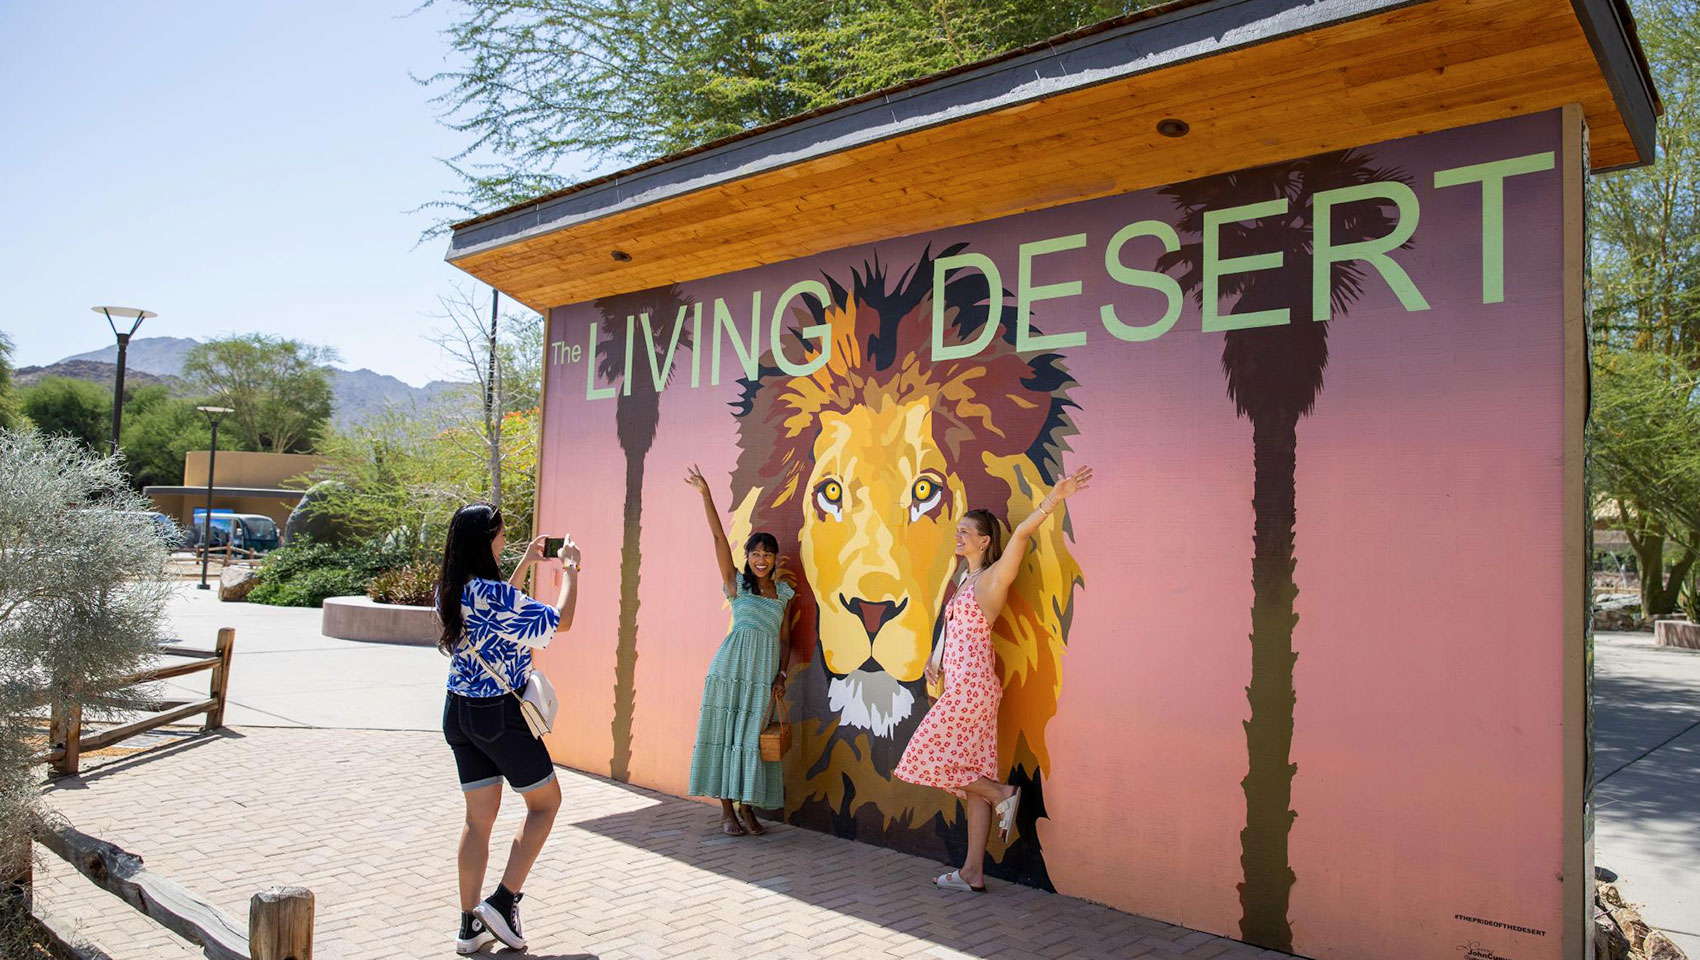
(1074, 118)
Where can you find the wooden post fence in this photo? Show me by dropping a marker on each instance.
(65, 725)
(280, 919)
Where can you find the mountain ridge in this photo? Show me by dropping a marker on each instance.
(356, 395)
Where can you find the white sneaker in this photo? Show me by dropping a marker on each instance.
(505, 928)
(473, 935)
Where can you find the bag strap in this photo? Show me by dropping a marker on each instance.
(501, 681)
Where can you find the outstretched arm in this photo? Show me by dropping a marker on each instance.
(722, 549)
(1002, 573)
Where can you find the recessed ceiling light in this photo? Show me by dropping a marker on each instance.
(1172, 127)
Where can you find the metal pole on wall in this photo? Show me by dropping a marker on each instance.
(127, 313)
(493, 415)
(214, 414)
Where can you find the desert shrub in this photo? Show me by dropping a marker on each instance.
(83, 594)
(414, 585)
(304, 574)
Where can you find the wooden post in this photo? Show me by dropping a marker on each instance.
(220, 677)
(65, 728)
(17, 887)
(280, 924)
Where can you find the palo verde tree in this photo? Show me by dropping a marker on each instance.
(540, 83)
(1645, 227)
(279, 388)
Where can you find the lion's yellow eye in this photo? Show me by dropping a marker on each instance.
(829, 499)
(924, 497)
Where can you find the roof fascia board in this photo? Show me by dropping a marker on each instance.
(1604, 24)
(1190, 33)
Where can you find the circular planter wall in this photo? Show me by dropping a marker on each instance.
(1677, 633)
(362, 618)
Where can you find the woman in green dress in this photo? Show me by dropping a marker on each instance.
(745, 678)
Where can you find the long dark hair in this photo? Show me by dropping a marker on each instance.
(466, 556)
(989, 527)
(761, 538)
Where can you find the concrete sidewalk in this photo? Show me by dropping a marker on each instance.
(1647, 778)
(368, 821)
(285, 673)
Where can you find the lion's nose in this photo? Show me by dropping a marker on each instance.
(874, 613)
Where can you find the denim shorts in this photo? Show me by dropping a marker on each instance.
(491, 743)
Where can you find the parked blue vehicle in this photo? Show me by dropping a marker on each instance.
(245, 531)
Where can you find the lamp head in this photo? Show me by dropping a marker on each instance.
(124, 313)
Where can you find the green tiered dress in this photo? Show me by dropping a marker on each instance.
(726, 761)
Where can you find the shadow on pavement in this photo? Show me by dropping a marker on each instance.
(96, 767)
(880, 886)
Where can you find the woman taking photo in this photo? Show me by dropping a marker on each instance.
(955, 746)
(489, 628)
(746, 675)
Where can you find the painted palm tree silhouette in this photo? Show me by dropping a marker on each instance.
(636, 416)
(1274, 374)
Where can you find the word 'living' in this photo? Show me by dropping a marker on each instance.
(1376, 253)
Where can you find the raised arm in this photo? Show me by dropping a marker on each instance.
(1002, 573)
(722, 549)
(533, 553)
(567, 600)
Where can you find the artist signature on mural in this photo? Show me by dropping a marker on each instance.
(1473, 950)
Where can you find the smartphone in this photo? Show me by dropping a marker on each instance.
(552, 546)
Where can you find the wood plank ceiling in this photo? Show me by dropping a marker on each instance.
(1412, 70)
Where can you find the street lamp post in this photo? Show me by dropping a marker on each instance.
(214, 415)
(137, 316)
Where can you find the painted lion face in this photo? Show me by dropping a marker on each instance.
(882, 501)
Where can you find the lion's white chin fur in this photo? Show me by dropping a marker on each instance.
(871, 701)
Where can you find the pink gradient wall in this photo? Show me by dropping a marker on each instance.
(1428, 730)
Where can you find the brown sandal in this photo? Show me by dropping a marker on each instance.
(731, 827)
(751, 824)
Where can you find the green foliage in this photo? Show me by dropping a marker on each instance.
(402, 478)
(1645, 227)
(82, 600)
(10, 410)
(277, 387)
(71, 408)
(1646, 221)
(543, 81)
(305, 575)
(413, 585)
(1646, 462)
(159, 430)
(1646, 425)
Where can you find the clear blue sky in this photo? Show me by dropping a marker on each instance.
(232, 166)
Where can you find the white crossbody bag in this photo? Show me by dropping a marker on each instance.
(537, 703)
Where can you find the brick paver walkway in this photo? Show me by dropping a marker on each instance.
(368, 821)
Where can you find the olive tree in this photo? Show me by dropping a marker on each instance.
(82, 599)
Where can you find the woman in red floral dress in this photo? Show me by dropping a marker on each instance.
(955, 747)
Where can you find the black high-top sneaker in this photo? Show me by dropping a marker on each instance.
(500, 912)
(473, 934)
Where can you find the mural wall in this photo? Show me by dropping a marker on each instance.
(1291, 670)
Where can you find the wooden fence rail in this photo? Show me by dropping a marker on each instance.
(280, 920)
(65, 726)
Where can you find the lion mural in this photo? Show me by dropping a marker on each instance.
(866, 466)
